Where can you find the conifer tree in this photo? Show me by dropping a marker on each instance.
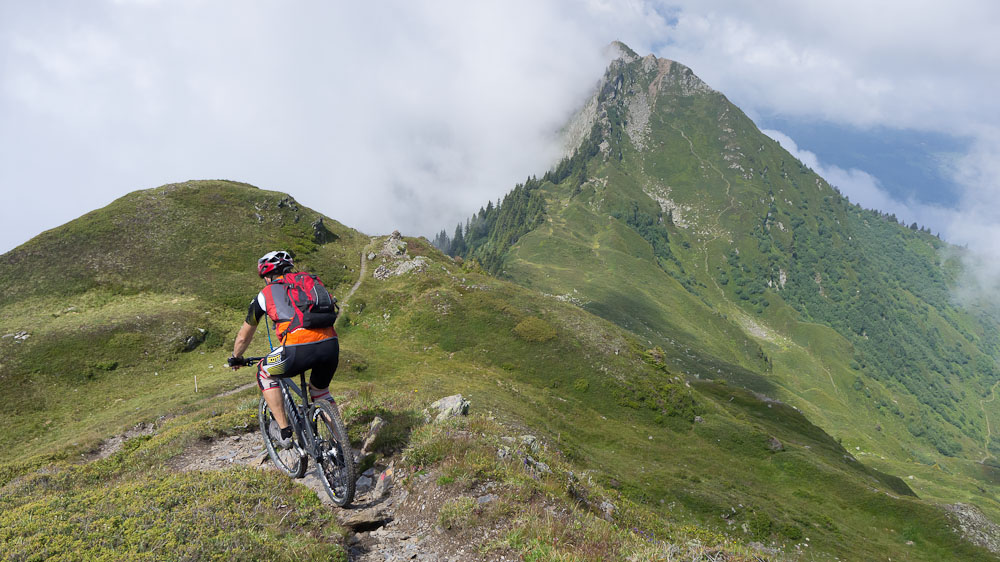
(441, 242)
(457, 247)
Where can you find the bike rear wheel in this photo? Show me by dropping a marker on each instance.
(290, 461)
(336, 461)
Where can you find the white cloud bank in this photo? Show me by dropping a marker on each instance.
(405, 115)
(865, 189)
(895, 63)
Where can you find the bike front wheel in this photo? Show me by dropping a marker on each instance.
(290, 461)
(336, 460)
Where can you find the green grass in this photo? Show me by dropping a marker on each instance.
(526, 501)
(130, 307)
(133, 506)
(129, 304)
(194, 238)
(877, 352)
(613, 407)
(446, 337)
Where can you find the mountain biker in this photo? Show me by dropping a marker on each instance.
(301, 348)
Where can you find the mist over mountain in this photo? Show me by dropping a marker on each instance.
(677, 219)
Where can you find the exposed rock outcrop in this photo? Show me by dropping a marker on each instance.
(448, 407)
(321, 234)
(394, 246)
(395, 259)
(975, 527)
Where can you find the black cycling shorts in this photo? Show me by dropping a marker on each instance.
(290, 360)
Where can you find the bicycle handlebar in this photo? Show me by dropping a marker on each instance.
(242, 361)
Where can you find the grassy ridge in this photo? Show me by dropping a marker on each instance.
(194, 238)
(125, 306)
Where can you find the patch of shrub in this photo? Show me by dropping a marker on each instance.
(760, 526)
(458, 513)
(354, 360)
(534, 329)
(704, 536)
(791, 532)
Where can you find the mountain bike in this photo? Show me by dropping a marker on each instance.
(318, 432)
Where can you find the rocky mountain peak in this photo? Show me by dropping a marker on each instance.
(631, 85)
(618, 50)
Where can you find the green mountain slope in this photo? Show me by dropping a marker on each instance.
(112, 346)
(678, 220)
(138, 288)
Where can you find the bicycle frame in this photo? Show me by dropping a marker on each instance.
(307, 438)
(311, 442)
(298, 419)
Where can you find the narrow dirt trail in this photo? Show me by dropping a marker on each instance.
(989, 431)
(361, 275)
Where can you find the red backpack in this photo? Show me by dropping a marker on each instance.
(312, 305)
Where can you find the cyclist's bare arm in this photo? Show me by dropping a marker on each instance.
(243, 339)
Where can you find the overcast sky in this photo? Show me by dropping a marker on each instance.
(411, 115)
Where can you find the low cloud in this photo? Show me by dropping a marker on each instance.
(973, 226)
(895, 64)
(406, 116)
(866, 190)
(892, 64)
(412, 115)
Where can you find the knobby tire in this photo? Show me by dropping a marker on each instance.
(288, 460)
(336, 464)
